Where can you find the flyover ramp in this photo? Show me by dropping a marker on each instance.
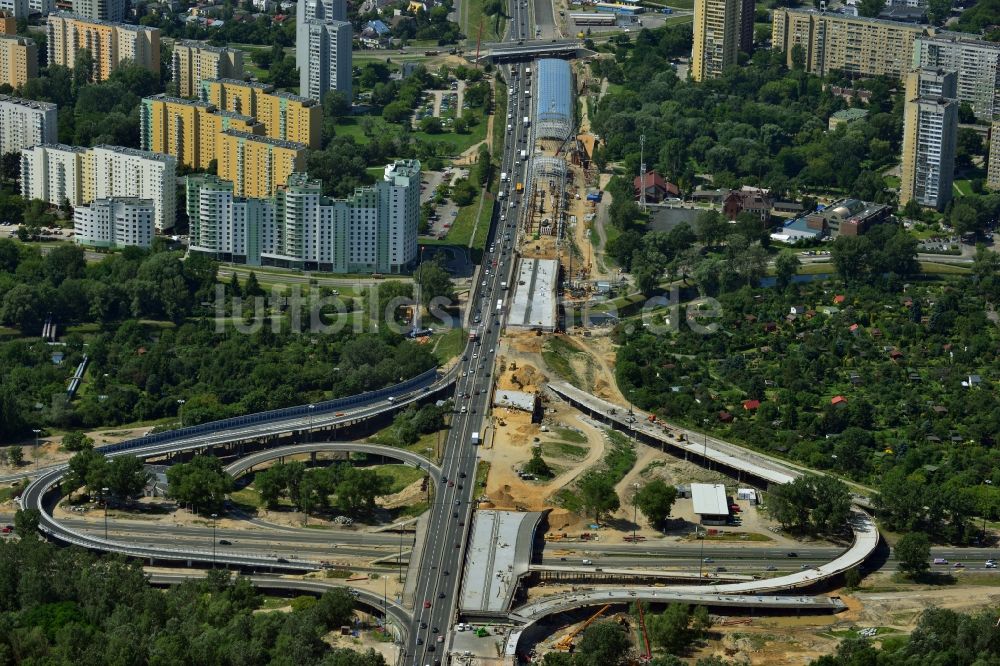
(247, 463)
(228, 431)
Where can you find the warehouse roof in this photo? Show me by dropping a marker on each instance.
(709, 499)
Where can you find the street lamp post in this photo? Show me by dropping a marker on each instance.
(215, 516)
(35, 454)
(399, 558)
(311, 408)
(104, 492)
(635, 513)
(180, 409)
(701, 558)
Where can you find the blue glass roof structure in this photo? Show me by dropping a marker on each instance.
(554, 101)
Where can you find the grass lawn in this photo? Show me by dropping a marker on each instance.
(455, 144)
(482, 473)
(556, 352)
(568, 435)
(449, 345)
(892, 182)
(963, 188)
(402, 476)
(472, 14)
(564, 450)
(943, 269)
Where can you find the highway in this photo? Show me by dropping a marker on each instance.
(440, 566)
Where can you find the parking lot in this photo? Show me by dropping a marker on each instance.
(444, 214)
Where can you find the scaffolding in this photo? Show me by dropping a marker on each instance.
(546, 191)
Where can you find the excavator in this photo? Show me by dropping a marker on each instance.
(565, 644)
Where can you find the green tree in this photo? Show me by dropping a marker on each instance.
(597, 494)
(938, 11)
(434, 280)
(202, 483)
(671, 629)
(77, 441)
(786, 266)
(655, 500)
(26, 522)
(358, 489)
(604, 644)
(126, 476)
(15, 455)
(431, 125)
(913, 552)
(537, 465)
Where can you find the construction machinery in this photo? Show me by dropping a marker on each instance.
(565, 644)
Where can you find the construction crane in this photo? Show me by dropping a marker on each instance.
(565, 644)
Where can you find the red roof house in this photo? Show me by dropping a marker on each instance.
(656, 186)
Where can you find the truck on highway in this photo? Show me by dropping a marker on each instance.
(527, 121)
(499, 305)
(503, 285)
(503, 177)
(474, 334)
(524, 154)
(475, 438)
(520, 186)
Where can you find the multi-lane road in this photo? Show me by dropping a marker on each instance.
(440, 566)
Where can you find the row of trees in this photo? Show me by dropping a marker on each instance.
(811, 504)
(351, 490)
(125, 477)
(67, 606)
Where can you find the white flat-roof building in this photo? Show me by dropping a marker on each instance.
(534, 304)
(709, 500)
(522, 400)
(115, 223)
(25, 123)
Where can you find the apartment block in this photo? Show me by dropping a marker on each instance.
(8, 24)
(194, 62)
(53, 173)
(993, 168)
(108, 43)
(16, 8)
(284, 116)
(115, 223)
(18, 60)
(372, 231)
(70, 174)
(930, 126)
(25, 123)
(977, 63)
(324, 58)
(104, 10)
(187, 129)
(43, 7)
(257, 165)
(321, 10)
(717, 36)
(837, 42)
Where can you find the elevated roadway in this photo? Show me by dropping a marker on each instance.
(205, 437)
(245, 464)
(379, 605)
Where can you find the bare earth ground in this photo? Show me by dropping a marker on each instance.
(50, 450)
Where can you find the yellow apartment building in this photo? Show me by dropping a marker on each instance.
(18, 60)
(284, 116)
(257, 165)
(187, 129)
(108, 43)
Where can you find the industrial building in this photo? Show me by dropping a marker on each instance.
(25, 123)
(372, 231)
(115, 223)
(534, 305)
(710, 504)
(554, 101)
(194, 62)
(838, 42)
(18, 60)
(60, 174)
(109, 43)
(930, 127)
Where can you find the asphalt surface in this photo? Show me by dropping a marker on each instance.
(440, 567)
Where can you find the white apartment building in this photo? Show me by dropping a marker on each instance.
(105, 10)
(115, 223)
(977, 63)
(372, 231)
(17, 8)
(993, 168)
(53, 173)
(25, 123)
(930, 127)
(323, 55)
(57, 173)
(43, 7)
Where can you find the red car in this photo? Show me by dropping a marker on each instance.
(7, 529)
(427, 604)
